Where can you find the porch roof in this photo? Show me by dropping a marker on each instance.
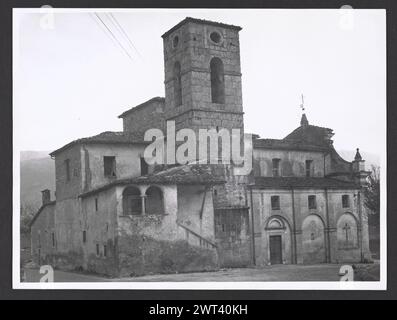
(204, 174)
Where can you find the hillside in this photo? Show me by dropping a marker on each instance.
(37, 173)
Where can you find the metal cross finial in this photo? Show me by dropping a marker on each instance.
(302, 105)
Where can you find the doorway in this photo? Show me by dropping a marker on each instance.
(276, 256)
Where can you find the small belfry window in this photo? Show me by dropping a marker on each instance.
(309, 164)
(276, 167)
(96, 204)
(53, 239)
(215, 37)
(217, 81)
(275, 202)
(345, 201)
(175, 41)
(312, 202)
(177, 84)
(67, 169)
(109, 166)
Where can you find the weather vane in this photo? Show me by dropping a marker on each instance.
(302, 105)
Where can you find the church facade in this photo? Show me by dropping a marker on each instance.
(117, 215)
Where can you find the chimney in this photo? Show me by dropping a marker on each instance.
(46, 196)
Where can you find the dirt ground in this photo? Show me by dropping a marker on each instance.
(323, 272)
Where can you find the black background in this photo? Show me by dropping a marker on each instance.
(6, 291)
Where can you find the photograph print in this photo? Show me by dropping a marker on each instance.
(199, 148)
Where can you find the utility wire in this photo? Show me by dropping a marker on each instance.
(113, 36)
(124, 33)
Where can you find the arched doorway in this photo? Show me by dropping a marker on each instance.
(278, 239)
(313, 240)
(132, 203)
(154, 200)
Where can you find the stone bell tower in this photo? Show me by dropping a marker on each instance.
(203, 75)
(203, 91)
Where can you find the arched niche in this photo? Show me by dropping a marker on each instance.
(313, 240)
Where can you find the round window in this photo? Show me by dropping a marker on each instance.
(215, 36)
(175, 41)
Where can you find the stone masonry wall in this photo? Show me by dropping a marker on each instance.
(147, 117)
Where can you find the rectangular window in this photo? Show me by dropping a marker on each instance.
(276, 167)
(312, 202)
(105, 250)
(275, 201)
(96, 204)
(84, 236)
(345, 201)
(109, 166)
(53, 239)
(97, 249)
(309, 168)
(144, 167)
(67, 169)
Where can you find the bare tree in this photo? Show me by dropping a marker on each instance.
(372, 196)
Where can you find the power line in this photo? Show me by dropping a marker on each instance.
(113, 36)
(124, 33)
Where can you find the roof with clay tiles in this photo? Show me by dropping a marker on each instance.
(190, 174)
(107, 137)
(201, 21)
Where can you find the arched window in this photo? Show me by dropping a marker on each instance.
(177, 84)
(217, 81)
(132, 203)
(154, 200)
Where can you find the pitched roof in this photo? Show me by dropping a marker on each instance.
(310, 134)
(142, 105)
(113, 137)
(185, 174)
(201, 21)
(302, 182)
(39, 211)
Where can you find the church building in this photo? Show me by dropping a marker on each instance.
(117, 215)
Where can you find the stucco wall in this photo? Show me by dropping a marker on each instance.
(127, 162)
(67, 189)
(42, 231)
(101, 229)
(141, 119)
(310, 226)
(195, 209)
(292, 162)
(154, 243)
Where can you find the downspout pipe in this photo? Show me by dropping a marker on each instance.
(328, 258)
(252, 228)
(361, 225)
(295, 260)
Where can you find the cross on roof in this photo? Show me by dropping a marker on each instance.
(302, 105)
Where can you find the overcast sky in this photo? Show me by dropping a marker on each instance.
(73, 80)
